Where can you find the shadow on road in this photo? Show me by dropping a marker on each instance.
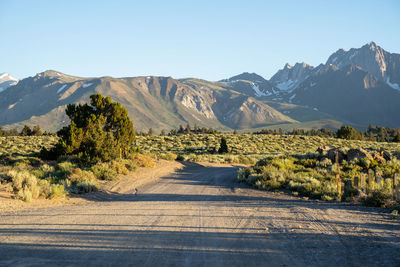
(110, 247)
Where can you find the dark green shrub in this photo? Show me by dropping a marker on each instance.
(223, 148)
(180, 158)
(101, 131)
(379, 198)
(349, 133)
(26, 131)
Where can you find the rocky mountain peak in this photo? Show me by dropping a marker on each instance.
(250, 84)
(289, 78)
(326, 68)
(246, 76)
(6, 80)
(372, 45)
(373, 59)
(6, 77)
(348, 69)
(49, 74)
(301, 65)
(287, 66)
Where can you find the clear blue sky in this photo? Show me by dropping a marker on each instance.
(206, 39)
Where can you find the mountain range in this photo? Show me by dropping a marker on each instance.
(355, 87)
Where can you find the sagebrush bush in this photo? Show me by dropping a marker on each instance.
(290, 173)
(325, 163)
(130, 165)
(38, 173)
(25, 185)
(143, 161)
(57, 191)
(118, 166)
(168, 156)
(103, 171)
(44, 187)
(245, 160)
(82, 181)
(65, 166)
(47, 168)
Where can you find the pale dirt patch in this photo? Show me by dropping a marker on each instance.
(141, 176)
(9, 204)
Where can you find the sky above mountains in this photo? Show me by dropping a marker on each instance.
(208, 39)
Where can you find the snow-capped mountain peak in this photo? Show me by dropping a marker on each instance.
(250, 84)
(290, 77)
(7, 77)
(372, 58)
(6, 80)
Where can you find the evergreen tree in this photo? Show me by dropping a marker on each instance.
(188, 129)
(348, 132)
(26, 131)
(36, 131)
(397, 138)
(100, 131)
(223, 148)
(181, 130)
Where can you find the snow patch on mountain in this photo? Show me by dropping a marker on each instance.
(257, 91)
(61, 88)
(6, 80)
(86, 85)
(291, 98)
(7, 77)
(393, 85)
(287, 85)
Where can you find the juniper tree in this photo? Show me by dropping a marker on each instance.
(100, 131)
(26, 131)
(223, 148)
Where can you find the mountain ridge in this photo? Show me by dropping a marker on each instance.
(153, 102)
(358, 87)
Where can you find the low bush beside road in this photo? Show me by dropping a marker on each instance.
(372, 180)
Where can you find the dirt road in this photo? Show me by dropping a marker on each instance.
(199, 216)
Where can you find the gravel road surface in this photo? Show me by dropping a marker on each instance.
(198, 215)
